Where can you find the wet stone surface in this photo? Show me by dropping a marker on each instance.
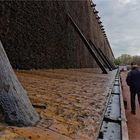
(74, 98)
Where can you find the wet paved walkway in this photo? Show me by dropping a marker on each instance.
(133, 120)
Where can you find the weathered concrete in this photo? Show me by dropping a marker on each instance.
(14, 102)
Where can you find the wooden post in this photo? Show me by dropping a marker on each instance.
(107, 59)
(91, 51)
(101, 56)
(15, 104)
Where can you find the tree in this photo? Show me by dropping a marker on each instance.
(124, 59)
(14, 102)
(136, 59)
(117, 61)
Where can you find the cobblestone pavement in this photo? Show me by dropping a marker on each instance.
(74, 99)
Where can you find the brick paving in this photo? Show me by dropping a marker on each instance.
(133, 120)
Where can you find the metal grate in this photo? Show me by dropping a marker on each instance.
(111, 127)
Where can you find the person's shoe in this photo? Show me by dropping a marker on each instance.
(133, 112)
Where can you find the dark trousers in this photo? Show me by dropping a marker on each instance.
(133, 98)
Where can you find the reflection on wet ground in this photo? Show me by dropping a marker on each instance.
(74, 99)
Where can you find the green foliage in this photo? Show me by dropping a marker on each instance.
(127, 59)
(124, 59)
(136, 59)
(117, 61)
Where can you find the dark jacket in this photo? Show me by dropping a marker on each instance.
(133, 80)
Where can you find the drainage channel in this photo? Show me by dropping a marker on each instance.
(114, 126)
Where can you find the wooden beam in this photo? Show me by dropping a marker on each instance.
(87, 45)
(107, 59)
(101, 56)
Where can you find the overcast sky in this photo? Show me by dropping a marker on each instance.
(121, 20)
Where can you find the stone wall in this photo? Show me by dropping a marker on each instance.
(37, 34)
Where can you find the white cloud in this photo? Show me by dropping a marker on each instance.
(122, 24)
(124, 1)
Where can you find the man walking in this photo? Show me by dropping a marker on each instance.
(133, 81)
